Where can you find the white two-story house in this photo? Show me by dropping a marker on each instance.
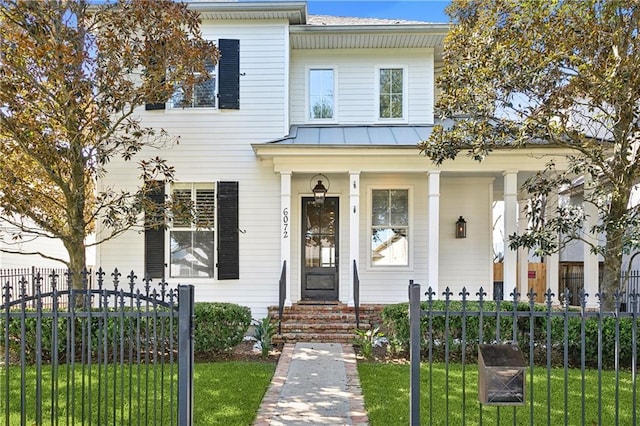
(304, 107)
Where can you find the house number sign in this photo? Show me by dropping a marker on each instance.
(285, 223)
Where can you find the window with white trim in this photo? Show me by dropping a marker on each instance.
(191, 237)
(391, 93)
(389, 227)
(321, 94)
(202, 96)
(221, 91)
(201, 212)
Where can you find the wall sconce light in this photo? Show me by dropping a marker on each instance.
(461, 228)
(319, 190)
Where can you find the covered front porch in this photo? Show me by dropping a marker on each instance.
(389, 216)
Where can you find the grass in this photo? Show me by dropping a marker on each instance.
(225, 393)
(386, 394)
(229, 393)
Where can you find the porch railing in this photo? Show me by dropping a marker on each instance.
(356, 292)
(282, 294)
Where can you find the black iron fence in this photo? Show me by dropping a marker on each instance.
(25, 281)
(573, 280)
(518, 362)
(117, 355)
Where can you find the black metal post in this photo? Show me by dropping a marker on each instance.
(414, 352)
(185, 355)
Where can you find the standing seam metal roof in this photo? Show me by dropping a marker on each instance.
(400, 135)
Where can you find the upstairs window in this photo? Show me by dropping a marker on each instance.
(321, 94)
(390, 227)
(391, 89)
(221, 91)
(203, 95)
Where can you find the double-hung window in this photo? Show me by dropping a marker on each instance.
(221, 90)
(203, 236)
(192, 235)
(202, 96)
(321, 94)
(391, 88)
(390, 227)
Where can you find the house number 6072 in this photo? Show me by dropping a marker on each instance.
(285, 223)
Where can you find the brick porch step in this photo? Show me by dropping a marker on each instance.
(319, 327)
(314, 337)
(311, 322)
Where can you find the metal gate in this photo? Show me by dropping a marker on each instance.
(117, 355)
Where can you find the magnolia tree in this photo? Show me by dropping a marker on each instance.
(72, 78)
(556, 72)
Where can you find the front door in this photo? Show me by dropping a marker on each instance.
(320, 249)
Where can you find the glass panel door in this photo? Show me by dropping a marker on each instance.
(320, 249)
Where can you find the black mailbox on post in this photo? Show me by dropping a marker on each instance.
(498, 290)
(501, 374)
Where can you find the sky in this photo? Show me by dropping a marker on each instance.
(414, 10)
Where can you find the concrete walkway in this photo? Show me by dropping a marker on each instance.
(314, 384)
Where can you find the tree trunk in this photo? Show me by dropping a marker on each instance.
(613, 252)
(610, 281)
(77, 264)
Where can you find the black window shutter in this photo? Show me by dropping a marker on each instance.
(155, 106)
(229, 74)
(154, 237)
(228, 242)
(159, 105)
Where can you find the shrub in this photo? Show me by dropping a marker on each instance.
(86, 335)
(265, 330)
(625, 348)
(434, 329)
(218, 327)
(367, 339)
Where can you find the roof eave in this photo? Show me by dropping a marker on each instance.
(273, 148)
(297, 11)
(427, 28)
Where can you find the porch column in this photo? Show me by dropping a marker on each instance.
(433, 218)
(552, 261)
(523, 252)
(354, 229)
(285, 230)
(510, 227)
(591, 270)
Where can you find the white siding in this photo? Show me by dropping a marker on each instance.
(388, 284)
(30, 243)
(465, 262)
(215, 146)
(356, 82)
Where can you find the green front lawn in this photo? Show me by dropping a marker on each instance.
(225, 393)
(386, 395)
(230, 393)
